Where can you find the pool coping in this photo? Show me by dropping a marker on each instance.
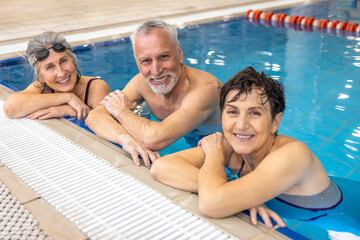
(238, 226)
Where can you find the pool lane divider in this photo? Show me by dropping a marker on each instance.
(302, 23)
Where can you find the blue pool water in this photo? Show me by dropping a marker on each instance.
(320, 72)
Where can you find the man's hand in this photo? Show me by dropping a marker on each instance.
(115, 101)
(135, 149)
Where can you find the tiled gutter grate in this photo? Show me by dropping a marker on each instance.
(101, 201)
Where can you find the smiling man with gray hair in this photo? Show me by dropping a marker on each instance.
(183, 98)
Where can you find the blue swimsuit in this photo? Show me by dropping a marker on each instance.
(337, 208)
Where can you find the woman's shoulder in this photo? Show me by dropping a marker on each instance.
(291, 150)
(93, 90)
(200, 77)
(90, 82)
(283, 141)
(86, 79)
(35, 87)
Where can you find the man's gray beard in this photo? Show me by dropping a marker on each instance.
(163, 89)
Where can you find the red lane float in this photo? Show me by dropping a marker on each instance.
(270, 19)
(333, 24)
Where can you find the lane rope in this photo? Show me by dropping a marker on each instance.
(302, 23)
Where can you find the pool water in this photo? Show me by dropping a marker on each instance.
(320, 72)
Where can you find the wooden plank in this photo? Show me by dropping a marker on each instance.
(20, 190)
(52, 222)
(55, 225)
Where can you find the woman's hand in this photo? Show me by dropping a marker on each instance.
(52, 112)
(265, 214)
(79, 106)
(216, 142)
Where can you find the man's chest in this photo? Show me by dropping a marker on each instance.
(162, 110)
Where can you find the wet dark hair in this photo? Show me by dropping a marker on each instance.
(248, 79)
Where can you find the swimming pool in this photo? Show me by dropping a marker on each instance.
(320, 73)
(319, 70)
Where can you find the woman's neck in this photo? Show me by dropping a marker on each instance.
(254, 159)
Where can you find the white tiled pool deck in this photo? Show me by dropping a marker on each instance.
(86, 22)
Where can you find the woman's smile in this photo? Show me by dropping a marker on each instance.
(243, 136)
(64, 80)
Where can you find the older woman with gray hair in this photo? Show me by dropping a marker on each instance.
(58, 89)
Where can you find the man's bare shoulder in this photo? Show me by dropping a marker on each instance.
(205, 87)
(200, 77)
(132, 89)
(138, 78)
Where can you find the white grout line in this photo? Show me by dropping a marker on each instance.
(177, 21)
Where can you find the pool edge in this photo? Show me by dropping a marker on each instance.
(233, 226)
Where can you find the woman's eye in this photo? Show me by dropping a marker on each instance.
(255, 113)
(231, 112)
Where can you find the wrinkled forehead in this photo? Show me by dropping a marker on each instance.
(254, 92)
(255, 97)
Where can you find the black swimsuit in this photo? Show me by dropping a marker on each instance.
(86, 91)
(242, 166)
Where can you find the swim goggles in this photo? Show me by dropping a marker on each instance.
(44, 53)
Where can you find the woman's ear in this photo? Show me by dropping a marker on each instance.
(276, 122)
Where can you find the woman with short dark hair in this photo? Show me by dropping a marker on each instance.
(269, 166)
